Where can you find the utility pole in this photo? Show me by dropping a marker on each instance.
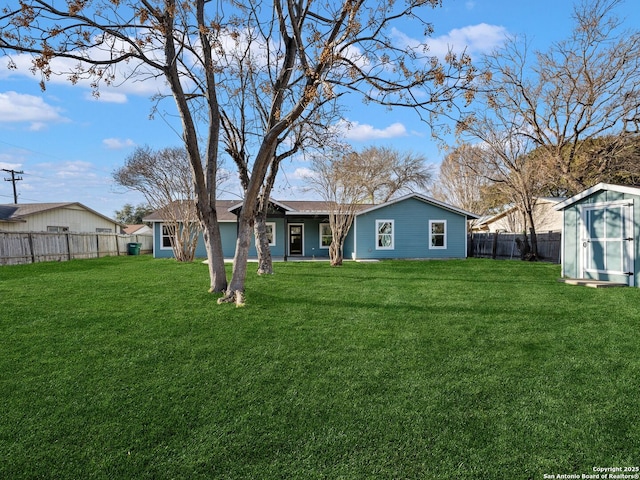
(13, 180)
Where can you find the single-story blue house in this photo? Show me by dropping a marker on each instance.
(601, 234)
(414, 226)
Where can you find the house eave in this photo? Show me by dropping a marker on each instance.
(425, 199)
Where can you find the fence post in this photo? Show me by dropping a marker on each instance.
(31, 252)
(494, 247)
(68, 235)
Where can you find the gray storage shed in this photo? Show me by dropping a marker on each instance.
(601, 234)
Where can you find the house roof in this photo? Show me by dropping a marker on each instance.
(6, 213)
(422, 198)
(222, 209)
(227, 209)
(315, 207)
(19, 212)
(597, 188)
(510, 208)
(131, 229)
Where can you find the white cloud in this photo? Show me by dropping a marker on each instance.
(37, 126)
(118, 143)
(142, 83)
(475, 39)
(364, 132)
(301, 173)
(19, 108)
(107, 96)
(70, 170)
(8, 165)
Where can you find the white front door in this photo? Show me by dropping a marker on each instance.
(607, 241)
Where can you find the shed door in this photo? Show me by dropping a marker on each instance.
(607, 242)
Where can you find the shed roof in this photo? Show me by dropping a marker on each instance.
(597, 188)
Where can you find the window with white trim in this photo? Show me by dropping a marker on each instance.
(168, 231)
(271, 233)
(325, 235)
(384, 234)
(437, 234)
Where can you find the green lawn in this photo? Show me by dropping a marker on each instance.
(478, 369)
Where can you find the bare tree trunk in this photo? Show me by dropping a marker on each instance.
(335, 254)
(239, 274)
(213, 246)
(534, 237)
(204, 179)
(265, 261)
(247, 216)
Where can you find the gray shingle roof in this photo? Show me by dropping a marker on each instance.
(18, 212)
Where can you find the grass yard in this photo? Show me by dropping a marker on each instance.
(125, 368)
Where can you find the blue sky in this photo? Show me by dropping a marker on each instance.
(68, 143)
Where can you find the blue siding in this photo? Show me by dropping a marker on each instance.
(411, 231)
(229, 231)
(411, 218)
(571, 242)
(311, 236)
(571, 235)
(228, 234)
(157, 243)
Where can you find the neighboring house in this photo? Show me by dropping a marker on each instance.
(546, 218)
(414, 226)
(137, 230)
(55, 218)
(601, 234)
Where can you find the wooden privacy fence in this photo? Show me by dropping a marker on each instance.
(32, 247)
(505, 245)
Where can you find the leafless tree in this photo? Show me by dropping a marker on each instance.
(460, 185)
(111, 42)
(246, 116)
(321, 50)
(164, 178)
(386, 172)
(503, 158)
(582, 88)
(313, 50)
(536, 117)
(336, 179)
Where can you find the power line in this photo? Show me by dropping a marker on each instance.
(13, 180)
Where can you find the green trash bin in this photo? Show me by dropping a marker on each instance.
(133, 248)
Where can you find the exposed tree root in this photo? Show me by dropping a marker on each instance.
(239, 298)
(236, 297)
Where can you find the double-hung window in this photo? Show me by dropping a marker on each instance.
(325, 235)
(271, 233)
(437, 234)
(384, 234)
(168, 231)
